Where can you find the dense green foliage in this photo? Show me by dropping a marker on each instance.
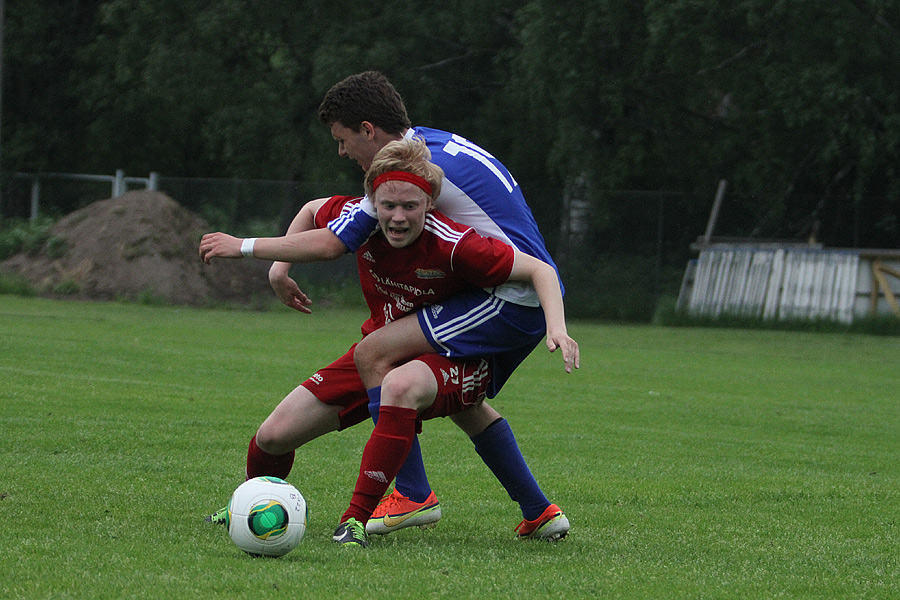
(692, 463)
(795, 103)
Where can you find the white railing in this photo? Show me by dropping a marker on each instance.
(119, 183)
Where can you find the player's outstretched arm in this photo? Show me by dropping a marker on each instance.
(302, 243)
(544, 279)
(308, 246)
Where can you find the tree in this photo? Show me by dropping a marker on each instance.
(802, 99)
(42, 122)
(183, 87)
(794, 103)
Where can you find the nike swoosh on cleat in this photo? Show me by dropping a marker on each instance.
(390, 521)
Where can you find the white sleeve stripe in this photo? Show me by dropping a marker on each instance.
(339, 223)
(442, 230)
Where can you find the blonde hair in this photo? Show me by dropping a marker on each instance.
(410, 155)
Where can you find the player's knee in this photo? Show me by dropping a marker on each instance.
(368, 362)
(408, 386)
(271, 440)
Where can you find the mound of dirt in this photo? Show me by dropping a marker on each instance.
(138, 246)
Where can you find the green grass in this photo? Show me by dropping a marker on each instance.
(692, 463)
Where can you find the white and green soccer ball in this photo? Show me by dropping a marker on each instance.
(267, 516)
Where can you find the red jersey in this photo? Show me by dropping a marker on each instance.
(445, 259)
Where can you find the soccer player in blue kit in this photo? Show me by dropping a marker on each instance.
(504, 324)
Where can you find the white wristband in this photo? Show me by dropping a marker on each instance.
(247, 247)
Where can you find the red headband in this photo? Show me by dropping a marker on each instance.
(402, 176)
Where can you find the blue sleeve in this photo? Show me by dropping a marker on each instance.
(354, 227)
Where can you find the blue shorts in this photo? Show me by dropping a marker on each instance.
(478, 324)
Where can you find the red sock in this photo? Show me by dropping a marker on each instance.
(260, 463)
(384, 454)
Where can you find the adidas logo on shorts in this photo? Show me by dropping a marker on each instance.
(436, 310)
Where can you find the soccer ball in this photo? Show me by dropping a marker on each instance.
(267, 517)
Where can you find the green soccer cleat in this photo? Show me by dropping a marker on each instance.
(351, 533)
(220, 517)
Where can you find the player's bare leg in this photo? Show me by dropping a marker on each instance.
(476, 419)
(388, 347)
(297, 419)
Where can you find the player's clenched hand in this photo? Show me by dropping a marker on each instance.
(219, 245)
(569, 347)
(289, 292)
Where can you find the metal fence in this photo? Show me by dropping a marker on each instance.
(618, 254)
(36, 181)
(225, 203)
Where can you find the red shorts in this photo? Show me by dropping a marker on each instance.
(461, 385)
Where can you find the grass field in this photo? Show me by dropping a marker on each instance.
(692, 463)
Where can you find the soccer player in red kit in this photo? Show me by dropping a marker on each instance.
(418, 258)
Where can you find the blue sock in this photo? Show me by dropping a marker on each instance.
(497, 447)
(411, 479)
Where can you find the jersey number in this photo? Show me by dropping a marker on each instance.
(458, 144)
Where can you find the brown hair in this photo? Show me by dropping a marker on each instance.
(367, 96)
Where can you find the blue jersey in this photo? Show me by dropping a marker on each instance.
(477, 191)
